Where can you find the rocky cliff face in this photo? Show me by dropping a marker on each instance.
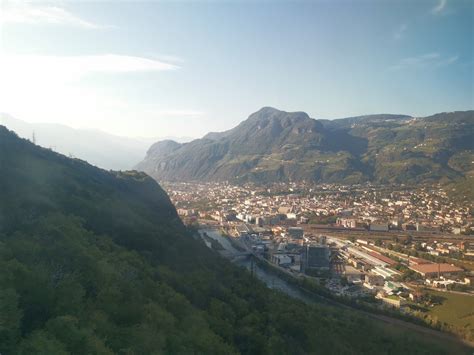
(273, 145)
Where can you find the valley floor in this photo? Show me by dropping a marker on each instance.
(271, 276)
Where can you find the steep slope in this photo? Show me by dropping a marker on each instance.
(273, 145)
(438, 148)
(269, 145)
(95, 262)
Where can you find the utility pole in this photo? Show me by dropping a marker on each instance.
(33, 138)
(251, 267)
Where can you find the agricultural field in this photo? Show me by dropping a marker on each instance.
(456, 310)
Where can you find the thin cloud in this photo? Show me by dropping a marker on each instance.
(52, 83)
(34, 14)
(400, 31)
(429, 60)
(63, 88)
(67, 68)
(439, 7)
(169, 58)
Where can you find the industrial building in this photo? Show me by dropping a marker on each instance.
(436, 270)
(296, 232)
(316, 256)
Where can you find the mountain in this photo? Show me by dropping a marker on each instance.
(273, 145)
(437, 148)
(99, 148)
(98, 262)
(367, 120)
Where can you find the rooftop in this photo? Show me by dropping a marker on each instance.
(430, 268)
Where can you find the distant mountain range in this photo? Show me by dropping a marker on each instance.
(273, 145)
(98, 148)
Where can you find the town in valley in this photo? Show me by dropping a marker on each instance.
(394, 247)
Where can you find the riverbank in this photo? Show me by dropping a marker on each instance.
(300, 287)
(324, 295)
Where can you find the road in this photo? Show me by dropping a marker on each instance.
(272, 280)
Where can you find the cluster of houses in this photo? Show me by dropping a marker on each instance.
(356, 207)
(442, 248)
(270, 220)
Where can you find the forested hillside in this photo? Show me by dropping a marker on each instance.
(94, 262)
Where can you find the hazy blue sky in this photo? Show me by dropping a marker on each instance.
(156, 68)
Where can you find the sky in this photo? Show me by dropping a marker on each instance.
(184, 68)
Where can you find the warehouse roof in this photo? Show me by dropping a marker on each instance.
(430, 268)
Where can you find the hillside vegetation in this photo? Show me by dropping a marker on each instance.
(95, 262)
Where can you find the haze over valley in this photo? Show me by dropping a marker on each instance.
(102, 149)
(236, 177)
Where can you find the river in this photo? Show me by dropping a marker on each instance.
(272, 280)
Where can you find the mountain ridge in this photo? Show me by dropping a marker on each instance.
(273, 145)
(99, 148)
